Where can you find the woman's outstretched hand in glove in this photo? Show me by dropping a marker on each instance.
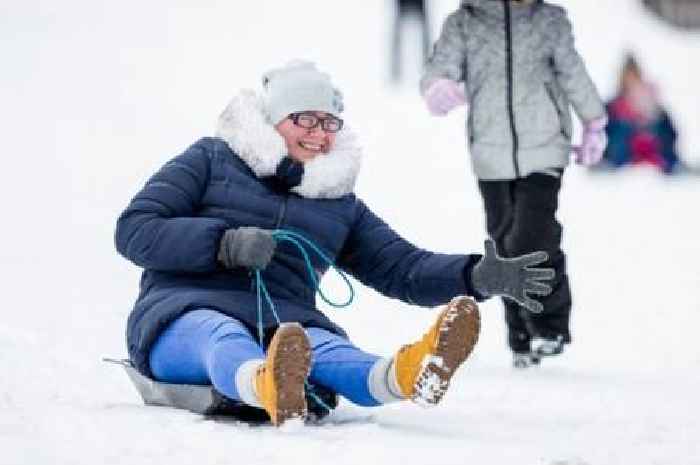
(513, 278)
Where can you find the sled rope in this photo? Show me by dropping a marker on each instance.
(298, 240)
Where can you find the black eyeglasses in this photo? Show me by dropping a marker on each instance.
(308, 120)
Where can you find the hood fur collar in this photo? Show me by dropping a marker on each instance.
(244, 127)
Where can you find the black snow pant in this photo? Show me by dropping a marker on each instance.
(521, 218)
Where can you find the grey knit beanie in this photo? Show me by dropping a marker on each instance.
(299, 86)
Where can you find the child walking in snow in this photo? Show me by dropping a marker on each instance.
(514, 63)
(209, 229)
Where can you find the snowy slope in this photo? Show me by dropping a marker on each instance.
(97, 95)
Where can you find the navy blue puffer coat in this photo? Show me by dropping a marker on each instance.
(173, 226)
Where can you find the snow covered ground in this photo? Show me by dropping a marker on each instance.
(95, 96)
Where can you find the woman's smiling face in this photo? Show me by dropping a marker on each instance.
(306, 144)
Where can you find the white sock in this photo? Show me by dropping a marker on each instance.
(382, 382)
(245, 382)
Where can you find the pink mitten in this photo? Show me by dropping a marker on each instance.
(443, 95)
(593, 143)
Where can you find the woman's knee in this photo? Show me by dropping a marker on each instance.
(192, 340)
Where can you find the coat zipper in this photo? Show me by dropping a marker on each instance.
(280, 214)
(509, 67)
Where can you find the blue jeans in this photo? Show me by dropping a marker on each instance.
(207, 347)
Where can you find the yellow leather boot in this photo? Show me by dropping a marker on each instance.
(423, 369)
(279, 381)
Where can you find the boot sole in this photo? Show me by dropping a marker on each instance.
(457, 335)
(290, 352)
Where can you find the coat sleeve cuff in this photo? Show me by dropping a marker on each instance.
(472, 260)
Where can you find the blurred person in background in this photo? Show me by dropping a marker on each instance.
(515, 64)
(406, 10)
(684, 14)
(640, 130)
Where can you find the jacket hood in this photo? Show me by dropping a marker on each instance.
(244, 126)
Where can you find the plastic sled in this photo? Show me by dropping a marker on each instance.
(205, 400)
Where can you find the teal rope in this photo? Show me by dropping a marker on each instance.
(262, 291)
(318, 400)
(299, 241)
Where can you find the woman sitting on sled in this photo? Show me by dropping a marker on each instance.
(226, 222)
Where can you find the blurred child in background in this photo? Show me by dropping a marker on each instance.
(640, 130)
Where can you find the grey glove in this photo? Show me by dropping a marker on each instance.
(512, 278)
(247, 247)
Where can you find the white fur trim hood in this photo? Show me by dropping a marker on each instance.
(245, 128)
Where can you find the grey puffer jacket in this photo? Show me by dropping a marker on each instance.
(522, 73)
